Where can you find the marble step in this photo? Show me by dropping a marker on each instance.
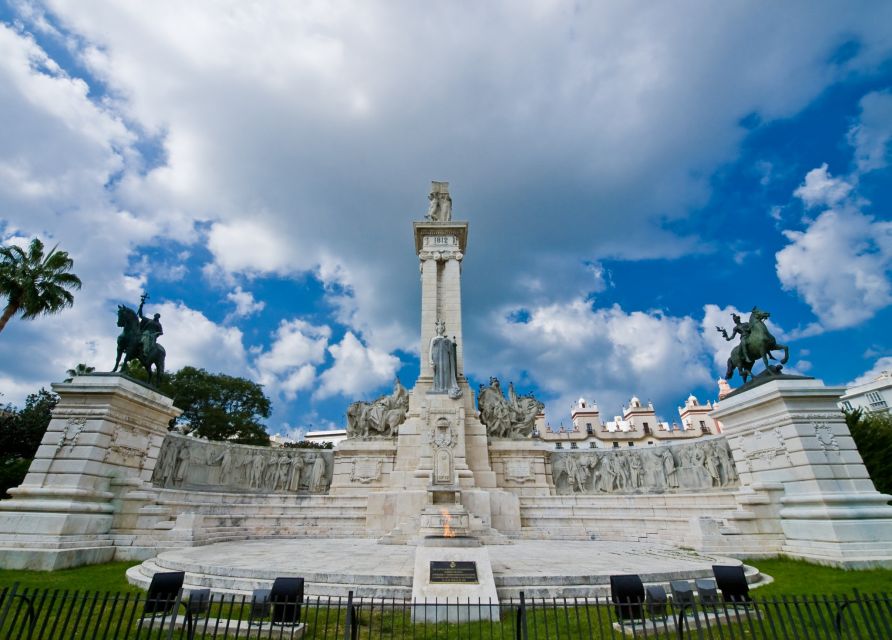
(316, 584)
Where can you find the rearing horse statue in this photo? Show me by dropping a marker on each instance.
(759, 344)
(130, 346)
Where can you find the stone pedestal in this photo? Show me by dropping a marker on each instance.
(522, 467)
(790, 433)
(363, 466)
(471, 596)
(104, 427)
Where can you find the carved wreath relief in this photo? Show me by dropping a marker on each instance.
(72, 431)
(760, 448)
(365, 470)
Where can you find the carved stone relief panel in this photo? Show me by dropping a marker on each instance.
(519, 470)
(365, 470)
(185, 462)
(702, 465)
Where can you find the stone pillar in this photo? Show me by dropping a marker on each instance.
(790, 433)
(440, 247)
(451, 307)
(428, 312)
(104, 427)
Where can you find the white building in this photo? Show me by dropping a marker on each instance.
(638, 426)
(334, 436)
(875, 395)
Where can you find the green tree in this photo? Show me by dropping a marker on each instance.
(308, 444)
(80, 370)
(872, 433)
(217, 406)
(20, 435)
(35, 283)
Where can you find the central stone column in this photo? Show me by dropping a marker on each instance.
(441, 452)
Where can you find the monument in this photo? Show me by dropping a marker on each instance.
(439, 491)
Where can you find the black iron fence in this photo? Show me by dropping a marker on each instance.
(50, 614)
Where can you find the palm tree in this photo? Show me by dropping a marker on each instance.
(33, 283)
(80, 370)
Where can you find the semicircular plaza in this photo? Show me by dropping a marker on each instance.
(334, 566)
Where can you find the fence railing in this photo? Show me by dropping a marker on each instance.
(50, 614)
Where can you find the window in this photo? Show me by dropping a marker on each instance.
(592, 445)
(631, 444)
(616, 445)
(703, 428)
(876, 400)
(646, 429)
(558, 445)
(588, 427)
(846, 405)
(573, 445)
(650, 442)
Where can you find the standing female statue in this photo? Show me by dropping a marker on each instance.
(442, 359)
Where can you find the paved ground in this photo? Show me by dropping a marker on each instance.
(546, 564)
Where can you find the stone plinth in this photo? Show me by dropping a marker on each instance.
(790, 432)
(522, 467)
(363, 466)
(453, 601)
(104, 427)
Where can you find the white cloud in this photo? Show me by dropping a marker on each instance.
(872, 134)
(820, 189)
(882, 365)
(715, 317)
(292, 139)
(571, 349)
(289, 365)
(190, 338)
(840, 266)
(357, 369)
(245, 304)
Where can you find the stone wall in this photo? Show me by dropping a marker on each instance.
(704, 465)
(190, 463)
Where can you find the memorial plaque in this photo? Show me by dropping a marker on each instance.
(453, 572)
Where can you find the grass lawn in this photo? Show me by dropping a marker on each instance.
(97, 577)
(545, 619)
(795, 577)
(791, 577)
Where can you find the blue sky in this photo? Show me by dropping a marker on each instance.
(632, 173)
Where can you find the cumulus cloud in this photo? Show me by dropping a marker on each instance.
(820, 189)
(190, 338)
(289, 140)
(245, 304)
(289, 365)
(840, 265)
(882, 365)
(357, 369)
(872, 134)
(572, 349)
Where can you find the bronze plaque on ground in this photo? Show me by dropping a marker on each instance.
(453, 572)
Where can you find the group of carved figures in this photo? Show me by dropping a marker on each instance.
(184, 462)
(700, 465)
(512, 417)
(379, 418)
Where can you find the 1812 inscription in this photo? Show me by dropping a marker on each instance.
(453, 572)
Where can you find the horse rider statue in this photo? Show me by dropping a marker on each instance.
(139, 340)
(756, 342)
(149, 329)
